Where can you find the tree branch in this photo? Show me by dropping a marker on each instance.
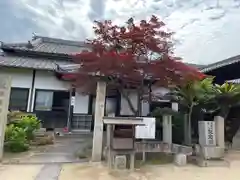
(127, 98)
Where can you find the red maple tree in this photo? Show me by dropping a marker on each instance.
(134, 56)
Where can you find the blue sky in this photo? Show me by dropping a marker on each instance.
(206, 30)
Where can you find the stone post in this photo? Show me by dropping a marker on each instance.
(167, 125)
(98, 122)
(167, 129)
(219, 128)
(5, 87)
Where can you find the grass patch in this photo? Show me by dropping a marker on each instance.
(154, 159)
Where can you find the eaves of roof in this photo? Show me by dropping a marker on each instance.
(220, 64)
(30, 63)
(47, 45)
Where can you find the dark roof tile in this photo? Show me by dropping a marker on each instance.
(41, 44)
(49, 45)
(32, 63)
(219, 64)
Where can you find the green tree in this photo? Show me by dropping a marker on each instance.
(226, 96)
(189, 96)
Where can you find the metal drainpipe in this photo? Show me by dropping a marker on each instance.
(32, 92)
(70, 109)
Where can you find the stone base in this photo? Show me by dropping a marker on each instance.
(214, 152)
(209, 152)
(180, 159)
(212, 163)
(120, 162)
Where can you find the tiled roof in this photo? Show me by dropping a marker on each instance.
(70, 68)
(199, 66)
(32, 63)
(55, 52)
(48, 45)
(58, 48)
(235, 81)
(220, 64)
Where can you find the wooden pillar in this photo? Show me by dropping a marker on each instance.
(98, 119)
(5, 88)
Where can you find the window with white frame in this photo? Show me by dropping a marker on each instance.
(44, 100)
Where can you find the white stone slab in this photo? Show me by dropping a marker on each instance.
(147, 131)
(207, 133)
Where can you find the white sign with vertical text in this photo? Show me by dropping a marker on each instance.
(148, 130)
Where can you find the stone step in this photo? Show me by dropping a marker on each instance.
(75, 134)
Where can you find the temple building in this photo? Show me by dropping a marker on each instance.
(40, 86)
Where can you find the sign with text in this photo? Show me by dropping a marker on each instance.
(207, 135)
(148, 130)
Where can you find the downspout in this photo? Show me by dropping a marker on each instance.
(31, 106)
(70, 107)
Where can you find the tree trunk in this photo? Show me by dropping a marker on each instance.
(130, 104)
(187, 127)
(139, 105)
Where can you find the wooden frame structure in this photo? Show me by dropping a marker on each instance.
(121, 141)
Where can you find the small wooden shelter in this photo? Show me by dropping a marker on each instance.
(121, 138)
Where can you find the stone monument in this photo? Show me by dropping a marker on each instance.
(208, 148)
(207, 133)
(5, 87)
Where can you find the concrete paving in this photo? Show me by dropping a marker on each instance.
(43, 162)
(49, 164)
(18, 172)
(62, 151)
(166, 172)
(97, 171)
(49, 172)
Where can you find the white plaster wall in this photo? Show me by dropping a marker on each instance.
(48, 80)
(81, 103)
(159, 91)
(21, 78)
(125, 110)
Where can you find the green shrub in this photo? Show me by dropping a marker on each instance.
(29, 123)
(15, 139)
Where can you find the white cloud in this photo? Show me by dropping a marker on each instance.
(206, 30)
